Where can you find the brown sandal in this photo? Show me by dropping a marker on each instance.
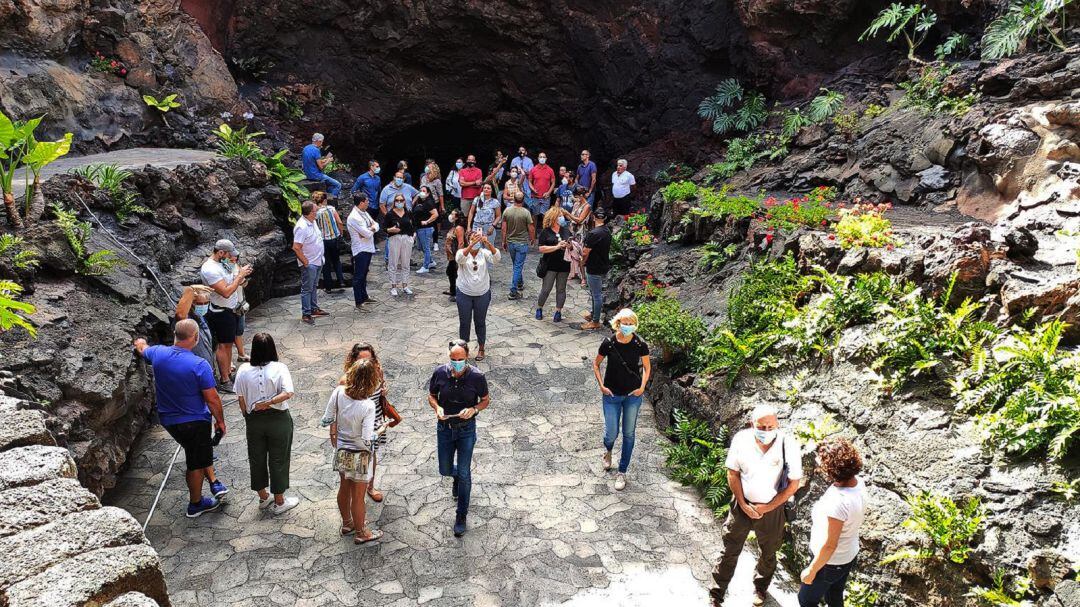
(376, 495)
(372, 536)
(480, 356)
(347, 528)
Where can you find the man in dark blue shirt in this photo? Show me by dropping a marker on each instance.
(370, 183)
(457, 392)
(187, 401)
(586, 176)
(313, 164)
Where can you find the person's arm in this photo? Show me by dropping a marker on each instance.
(296, 247)
(821, 559)
(433, 399)
(432, 218)
(361, 227)
(469, 220)
(333, 434)
(592, 182)
(545, 248)
(646, 369)
(498, 215)
(735, 484)
(337, 220)
(213, 401)
(585, 255)
(242, 402)
(325, 160)
(596, 373)
(183, 307)
(504, 234)
(532, 231)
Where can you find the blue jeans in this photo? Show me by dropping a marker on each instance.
(471, 307)
(423, 238)
(538, 205)
(460, 441)
(309, 288)
(518, 252)
(596, 290)
(621, 410)
(828, 584)
(333, 186)
(360, 264)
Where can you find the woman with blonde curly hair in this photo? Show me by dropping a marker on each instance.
(835, 521)
(384, 411)
(622, 385)
(350, 413)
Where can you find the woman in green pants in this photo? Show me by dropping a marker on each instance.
(264, 387)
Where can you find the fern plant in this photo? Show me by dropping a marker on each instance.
(12, 248)
(713, 255)
(663, 321)
(949, 527)
(78, 233)
(731, 354)
(911, 21)
(927, 93)
(816, 430)
(825, 105)
(696, 457)
(1045, 20)
(1003, 594)
(732, 108)
(13, 313)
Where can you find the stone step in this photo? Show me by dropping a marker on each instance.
(34, 464)
(24, 427)
(132, 599)
(29, 553)
(92, 578)
(24, 508)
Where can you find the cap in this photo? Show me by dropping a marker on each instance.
(226, 245)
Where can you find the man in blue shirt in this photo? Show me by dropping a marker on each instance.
(395, 187)
(187, 401)
(458, 391)
(370, 182)
(523, 164)
(313, 163)
(586, 176)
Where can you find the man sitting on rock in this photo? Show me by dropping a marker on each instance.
(187, 402)
(314, 162)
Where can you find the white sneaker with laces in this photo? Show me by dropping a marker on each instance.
(620, 482)
(289, 503)
(423, 271)
(607, 461)
(408, 291)
(265, 503)
(393, 292)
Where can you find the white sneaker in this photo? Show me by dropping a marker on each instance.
(290, 503)
(408, 291)
(607, 461)
(265, 503)
(393, 292)
(620, 482)
(423, 271)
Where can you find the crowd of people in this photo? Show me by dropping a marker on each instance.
(482, 216)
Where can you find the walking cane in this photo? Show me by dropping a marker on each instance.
(157, 497)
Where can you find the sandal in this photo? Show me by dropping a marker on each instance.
(243, 359)
(376, 495)
(372, 536)
(347, 528)
(480, 356)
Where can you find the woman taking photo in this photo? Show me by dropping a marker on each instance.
(400, 229)
(455, 239)
(425, 212)
(350, 413)
(834, 525)
(474, 264)
(485, 213)
(513, 186)
(385, 413)
(579, 221)
(554, 243)
(623, 384)
(263, 389)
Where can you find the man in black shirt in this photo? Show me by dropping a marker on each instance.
(595, 255)
(458, 391)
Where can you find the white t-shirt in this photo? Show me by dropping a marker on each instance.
(843, 504)
(760, 471)
(355, 419)
(475, 282)
(212, 272)
(620, 184)
(308, 234)
(362, 230)
(257, 384)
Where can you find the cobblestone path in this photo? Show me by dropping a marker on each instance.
(546, 525)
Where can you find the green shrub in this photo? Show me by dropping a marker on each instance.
(78, 234)
(664, 322)
(865, 225)
(912, 21)
(1026, 391)
(733, 108)
(825, 105)
(288, 180)
(111, 178)
(12, 248)
(814, 209)
(1067, 490)
(726, 352)
(927, 93)
(816, 430)
(955, 43)
(696, 457)
(674, 172)
(744, 152)
(13, 313)
(720, 204)
(949, 527)
(1043, 20)
(679, 191)
(766, 296)
(1001, 594)
(859, 594)
(238, 143)
(714, 256)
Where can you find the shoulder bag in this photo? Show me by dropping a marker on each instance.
(783, 482)
(623, 362)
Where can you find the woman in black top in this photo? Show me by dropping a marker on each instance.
(399, 228)
(554, 241)
(623, 384)
(425, 212)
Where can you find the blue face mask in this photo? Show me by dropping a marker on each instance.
(426, 170)
(765, 437)
(627, 329)
(477, 246)
(202, 309)
(458, 365)
(562, 221)
(399, 205)
(398, 181)
(378, 170)
(459, 165)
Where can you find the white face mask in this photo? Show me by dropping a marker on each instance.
(765, 437)
(423, 194)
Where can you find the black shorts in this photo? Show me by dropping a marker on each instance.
(197, 441)
(621, 206)
(223, 325)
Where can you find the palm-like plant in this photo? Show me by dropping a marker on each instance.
(39, 155)
(793, 121)
(825, 105)
(731, 107)
(912, 21)
(1009, 33)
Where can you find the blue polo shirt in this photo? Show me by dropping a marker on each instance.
(585, 174)
(370, 184)
(391, 190)
(310, 155)
(455, 394)
(179, 379)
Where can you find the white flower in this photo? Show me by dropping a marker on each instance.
(226, 115)
(249, 116)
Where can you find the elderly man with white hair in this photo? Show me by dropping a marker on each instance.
(623, 186)
(764, 472)
(314, 162)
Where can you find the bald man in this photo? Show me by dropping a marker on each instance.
(187, 402)
(457, 392)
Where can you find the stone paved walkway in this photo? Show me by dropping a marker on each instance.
(546, 525)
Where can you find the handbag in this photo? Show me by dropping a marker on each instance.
(782, 484)
(541, 267)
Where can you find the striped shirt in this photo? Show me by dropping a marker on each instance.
(324, 218)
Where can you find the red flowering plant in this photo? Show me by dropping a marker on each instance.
(653, 288)
(638, 230)
(813, 209)
(107, 65)
(865, 225)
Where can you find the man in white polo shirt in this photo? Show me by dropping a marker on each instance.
(308, 246)
(755, 463)
(623, 185)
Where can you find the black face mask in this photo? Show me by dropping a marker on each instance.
(471, 163)
(522, 154)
